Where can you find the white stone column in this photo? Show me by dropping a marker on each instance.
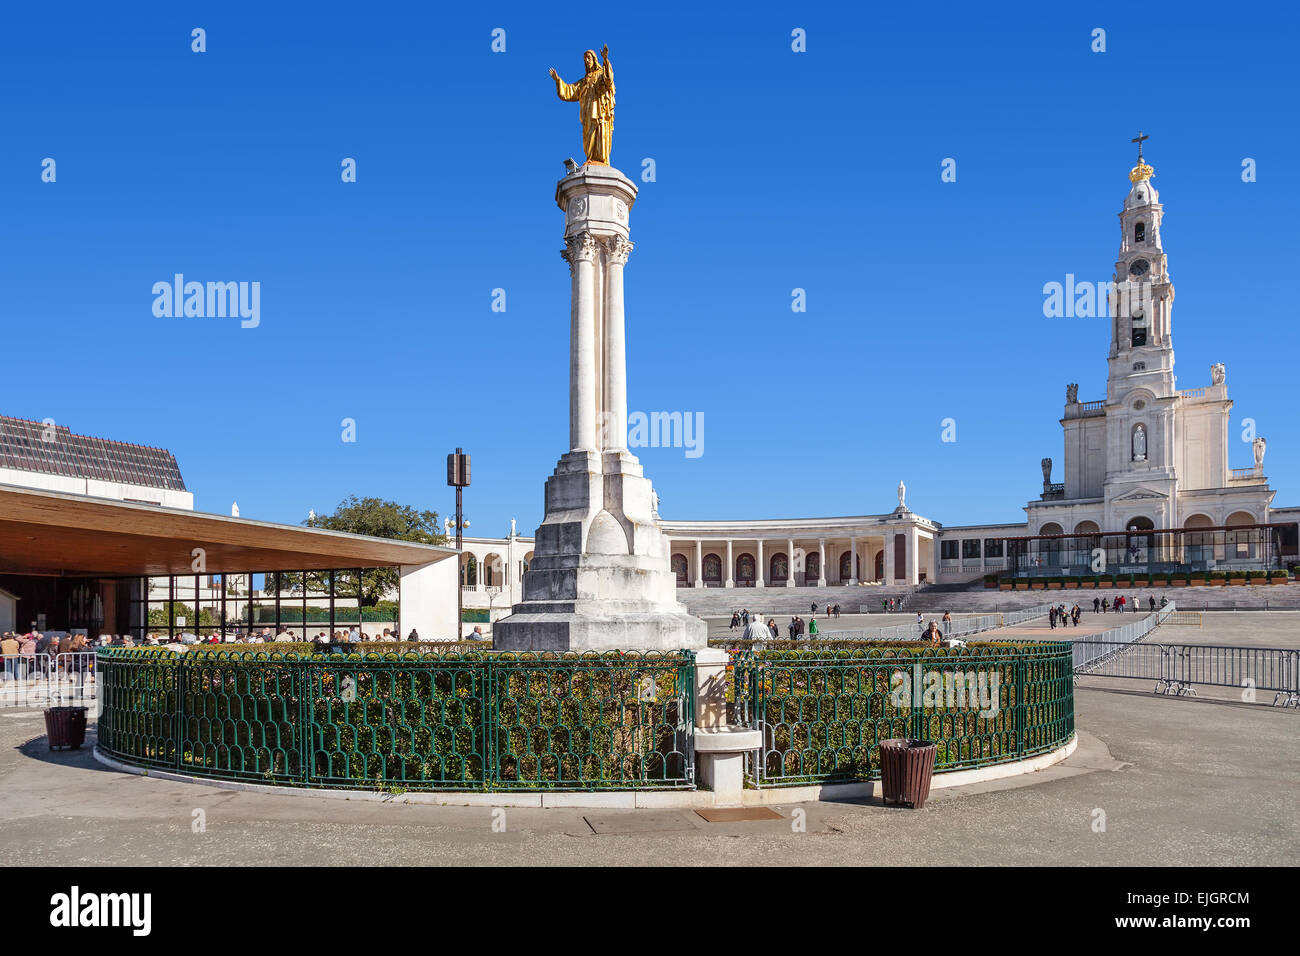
(699, 563)
(913, 555)
(728, 579)
(821, 563)
(758, 571)
(581, 253)
(853, 559)
(616, 252)
(789, 562)
(889, 557)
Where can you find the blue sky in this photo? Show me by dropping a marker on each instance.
(774, 170)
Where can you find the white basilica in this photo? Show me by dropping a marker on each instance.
(1146, 476)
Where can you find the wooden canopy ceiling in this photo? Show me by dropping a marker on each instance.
(48, 533)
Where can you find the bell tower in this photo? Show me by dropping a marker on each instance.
(1141, 302)
(1141, 395)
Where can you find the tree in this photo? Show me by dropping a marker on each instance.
(377, 518)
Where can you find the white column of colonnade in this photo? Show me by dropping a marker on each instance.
(760, 579)
(728, 579)
(912, 555)
(699, 563)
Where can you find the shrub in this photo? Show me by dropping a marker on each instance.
(459, 721)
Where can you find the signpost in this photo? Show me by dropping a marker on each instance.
(458, 478)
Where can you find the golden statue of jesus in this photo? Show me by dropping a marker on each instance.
(595, 96)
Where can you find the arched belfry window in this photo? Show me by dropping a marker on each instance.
(1140, 232)
(1139, 328)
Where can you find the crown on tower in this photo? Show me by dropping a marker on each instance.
(1141, 171)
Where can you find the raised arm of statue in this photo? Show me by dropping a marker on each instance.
(565, 91)
(609, 67)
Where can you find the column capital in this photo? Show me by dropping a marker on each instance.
(579, 248)
(617, 249)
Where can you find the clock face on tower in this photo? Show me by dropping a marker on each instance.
(1139, 268)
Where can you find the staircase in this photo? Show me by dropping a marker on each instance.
(976, 599)
(720, 602)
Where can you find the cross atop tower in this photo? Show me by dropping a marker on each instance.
(1138, 139)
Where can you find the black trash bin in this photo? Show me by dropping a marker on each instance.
(906, 767)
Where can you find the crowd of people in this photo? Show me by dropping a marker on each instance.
(797, 627)
(1121, 603)
(21, 651)
(35, 654)
(1059, 613)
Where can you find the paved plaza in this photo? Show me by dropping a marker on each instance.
(1181, 781)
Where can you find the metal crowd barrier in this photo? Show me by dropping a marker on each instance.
(1093, 652)
(960, 627)
(49, 680)
(1176, 667)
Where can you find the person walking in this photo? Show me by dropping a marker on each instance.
(812, 628)
(756, 630)
(1096, 605)
(1051, 616)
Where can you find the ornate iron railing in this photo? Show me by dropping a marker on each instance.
(405, 722)
(824, 713)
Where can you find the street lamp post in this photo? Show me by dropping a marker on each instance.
(458, 478)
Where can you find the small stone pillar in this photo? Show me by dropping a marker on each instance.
(719, 748)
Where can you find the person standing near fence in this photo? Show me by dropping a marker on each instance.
(27, 651)
(9, 649)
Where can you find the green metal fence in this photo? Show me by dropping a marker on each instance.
(824, 713)
(405, 722)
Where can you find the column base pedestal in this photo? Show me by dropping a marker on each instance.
(600, 578)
